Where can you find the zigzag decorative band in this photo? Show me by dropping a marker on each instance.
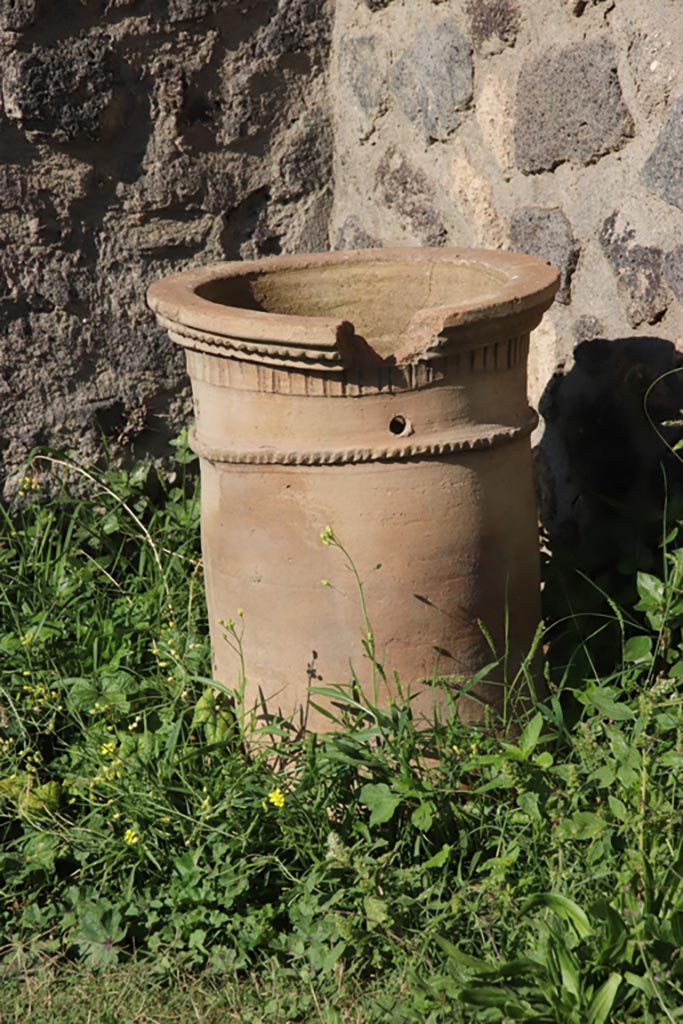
(494, 436)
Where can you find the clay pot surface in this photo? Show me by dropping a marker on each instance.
(381, 393)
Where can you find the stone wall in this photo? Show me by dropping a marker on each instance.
(549, 127)
(138, 137)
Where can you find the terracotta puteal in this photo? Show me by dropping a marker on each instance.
(381, 393)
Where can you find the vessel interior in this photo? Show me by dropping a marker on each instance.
(380, 299)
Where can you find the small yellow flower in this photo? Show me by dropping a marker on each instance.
(28, 483)
(276, 797)
(107, 749)
(130, 837)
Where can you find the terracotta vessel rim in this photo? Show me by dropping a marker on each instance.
(231, 300)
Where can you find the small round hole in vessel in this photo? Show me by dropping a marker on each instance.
(400, 426)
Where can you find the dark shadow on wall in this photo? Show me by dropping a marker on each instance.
(608, 479)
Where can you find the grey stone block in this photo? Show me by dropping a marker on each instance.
(432, 80)
(189, 10)
(673, 271)
(297, 25)
(362, 72)
(59, 93)
(570, 107)
(13, 187)
(410, 193)
(663, 170)
(548, 234)
(639, 270)
(306, 161)
(493, 18)
(352, 235)
(586, 328)
(16, 15)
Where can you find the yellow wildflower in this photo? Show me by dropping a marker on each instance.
(130, 837)
(276, 797)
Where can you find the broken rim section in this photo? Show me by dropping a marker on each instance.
(329, 312)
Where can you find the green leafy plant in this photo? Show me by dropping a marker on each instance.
(406, 871)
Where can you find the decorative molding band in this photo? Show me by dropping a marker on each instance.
(240, 375)
(270, 353)
(490, 436)
(234, 371)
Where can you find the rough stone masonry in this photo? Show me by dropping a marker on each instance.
(138, 137)
(142, 136)
(552, 127)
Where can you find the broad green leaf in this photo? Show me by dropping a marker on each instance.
(41, 851)
(603, 776)
(529, 804)
(213, 715)
(99, 931)
(603, 1000)
(486, 995)
(439, 859)
(651, 591)
(423, 815)
(464, 959)
(638, 650)
(571, 976)
(530, 736)
(601, 699)
(381, 801)
(564, 908)
(617, 808)
(376, 912)
(521, 968)
(43, 799)
(111, 522)
(581, 825)
(642, 983)
(81, 694)
(544, 759)
(616, 934)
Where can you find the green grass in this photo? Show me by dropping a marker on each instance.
(136, 994)
(382, 873)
